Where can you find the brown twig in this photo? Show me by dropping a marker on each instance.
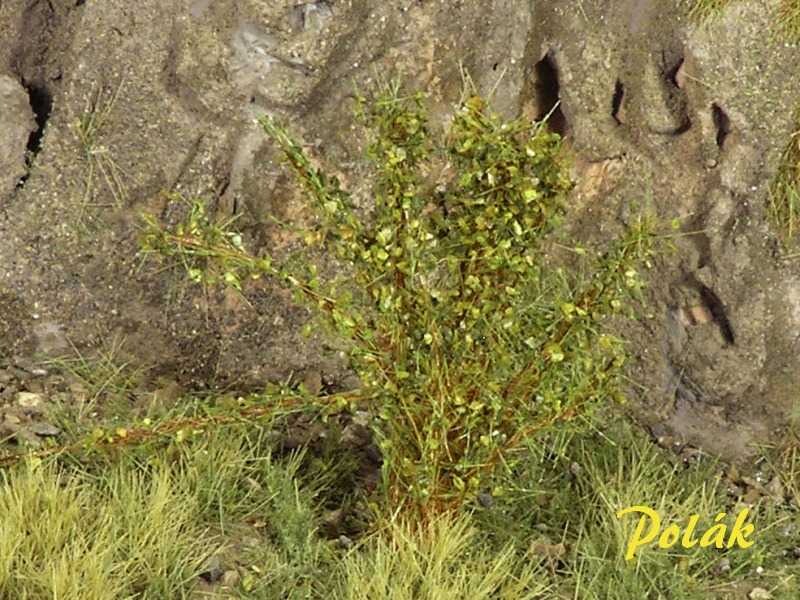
(140, 435)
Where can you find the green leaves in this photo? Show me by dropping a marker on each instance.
(466, 337)
(210, 252)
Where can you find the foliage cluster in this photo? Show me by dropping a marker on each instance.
(467, 337)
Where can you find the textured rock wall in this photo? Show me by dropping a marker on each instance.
(127, 100)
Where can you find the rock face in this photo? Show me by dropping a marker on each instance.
(688, 121)
(16, 125)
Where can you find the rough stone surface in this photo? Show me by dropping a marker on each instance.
(16, 125)
(689, 121)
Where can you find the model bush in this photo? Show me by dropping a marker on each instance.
(468, 338)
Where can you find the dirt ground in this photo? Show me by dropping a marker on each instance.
(104, 106)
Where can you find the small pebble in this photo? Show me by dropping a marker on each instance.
(213, 571)
(30, 403)
(29, 400)
(11, 419)
(722, 566)
(485, 500)
(333, 520)
(315, 15)
(45, 429)
(230, 578)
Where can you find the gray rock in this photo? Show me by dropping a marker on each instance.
(355, 436)
(16, 124)
(27, 438)
(722, 566)
(8, 391)
(213, 570)
(345, 542)
(351, 382)
(315, 15)
(45, 429)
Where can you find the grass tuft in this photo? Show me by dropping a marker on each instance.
(789, 20)
(784, 207)
(63, 536)
(786, 18)
(563, 506)
(145, 528)
(703, 10)
(438, 560)
(90, 130)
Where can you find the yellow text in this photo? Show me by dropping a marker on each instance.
(648, 530)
